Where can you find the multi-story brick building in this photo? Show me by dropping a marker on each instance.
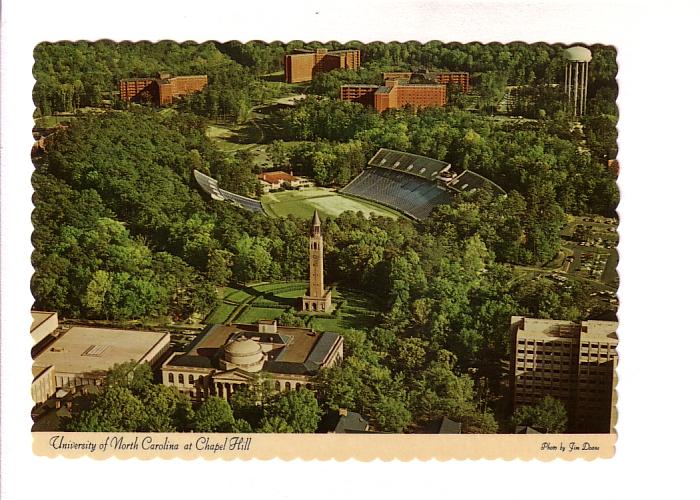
(161, 90)
(304, 65)
(460, 78)
(572, 362)
(395, 94)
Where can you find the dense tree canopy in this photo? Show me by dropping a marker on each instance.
(132, 402)
(122, 231)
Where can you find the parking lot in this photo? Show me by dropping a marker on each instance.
(592, 241)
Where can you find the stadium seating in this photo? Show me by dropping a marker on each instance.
(211, 187)
(409, 194)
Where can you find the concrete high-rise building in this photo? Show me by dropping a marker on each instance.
(317, 299)
(572, 362)
(303, 65)
(576, 78)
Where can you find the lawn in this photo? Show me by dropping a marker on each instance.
(220, 314)
(237, 295)
(327, 202)
(254, 303)
(228, 138)
(253, 314)
(356, 312)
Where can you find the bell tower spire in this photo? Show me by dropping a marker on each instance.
(317, 298)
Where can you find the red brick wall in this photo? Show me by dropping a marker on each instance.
(185, 85)
(162, 91)
(165, 93)
(421, 96)
(363, 95)
(129, 89)
(302, 67)
(299, 67)
(461, 79)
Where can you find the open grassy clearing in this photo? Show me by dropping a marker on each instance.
(228, 138)
(253, 314)
(220, 314)
(356, 312)
(327, 202)
(270, 300)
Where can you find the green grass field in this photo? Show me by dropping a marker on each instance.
(230, 138)
(356, 312)
(329, 203)
(270, 300)
(253, 314)
(220, 314)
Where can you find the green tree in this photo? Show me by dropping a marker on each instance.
(492, 89)
(299, 409)
(548, 415)
(214, 415)
(219, 267)
(115, 410)
(166, 409)
(275, 424)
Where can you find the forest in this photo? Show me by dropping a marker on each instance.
(122, 232)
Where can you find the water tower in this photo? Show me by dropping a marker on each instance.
(576, 78)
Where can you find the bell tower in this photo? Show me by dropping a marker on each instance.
(317, 298)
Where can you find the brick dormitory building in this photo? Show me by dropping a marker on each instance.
(303, 65)
(401, 89)
(394, 94)
(459, 78)
(162, 89)
(573, 362)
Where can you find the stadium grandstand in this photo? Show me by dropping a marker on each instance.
(469, 180)
(412, 184)
(211, 187)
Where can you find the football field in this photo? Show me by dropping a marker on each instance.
(326, 201)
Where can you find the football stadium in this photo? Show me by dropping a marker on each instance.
(410, 184)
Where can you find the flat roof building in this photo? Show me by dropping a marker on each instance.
(83, 355)
(573, 362)
(304, 65)
(395, 94)
(226, 358)
(43, 324)
(161, 90)
(458, 78)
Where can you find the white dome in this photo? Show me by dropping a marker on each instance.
(245, 354)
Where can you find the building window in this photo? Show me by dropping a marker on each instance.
(191, 379)
(181, 379)
(287, 386)
(171, 378)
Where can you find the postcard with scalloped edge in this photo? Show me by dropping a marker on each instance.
(324, 250)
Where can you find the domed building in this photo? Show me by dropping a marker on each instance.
(243, 354)
(226, 358)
